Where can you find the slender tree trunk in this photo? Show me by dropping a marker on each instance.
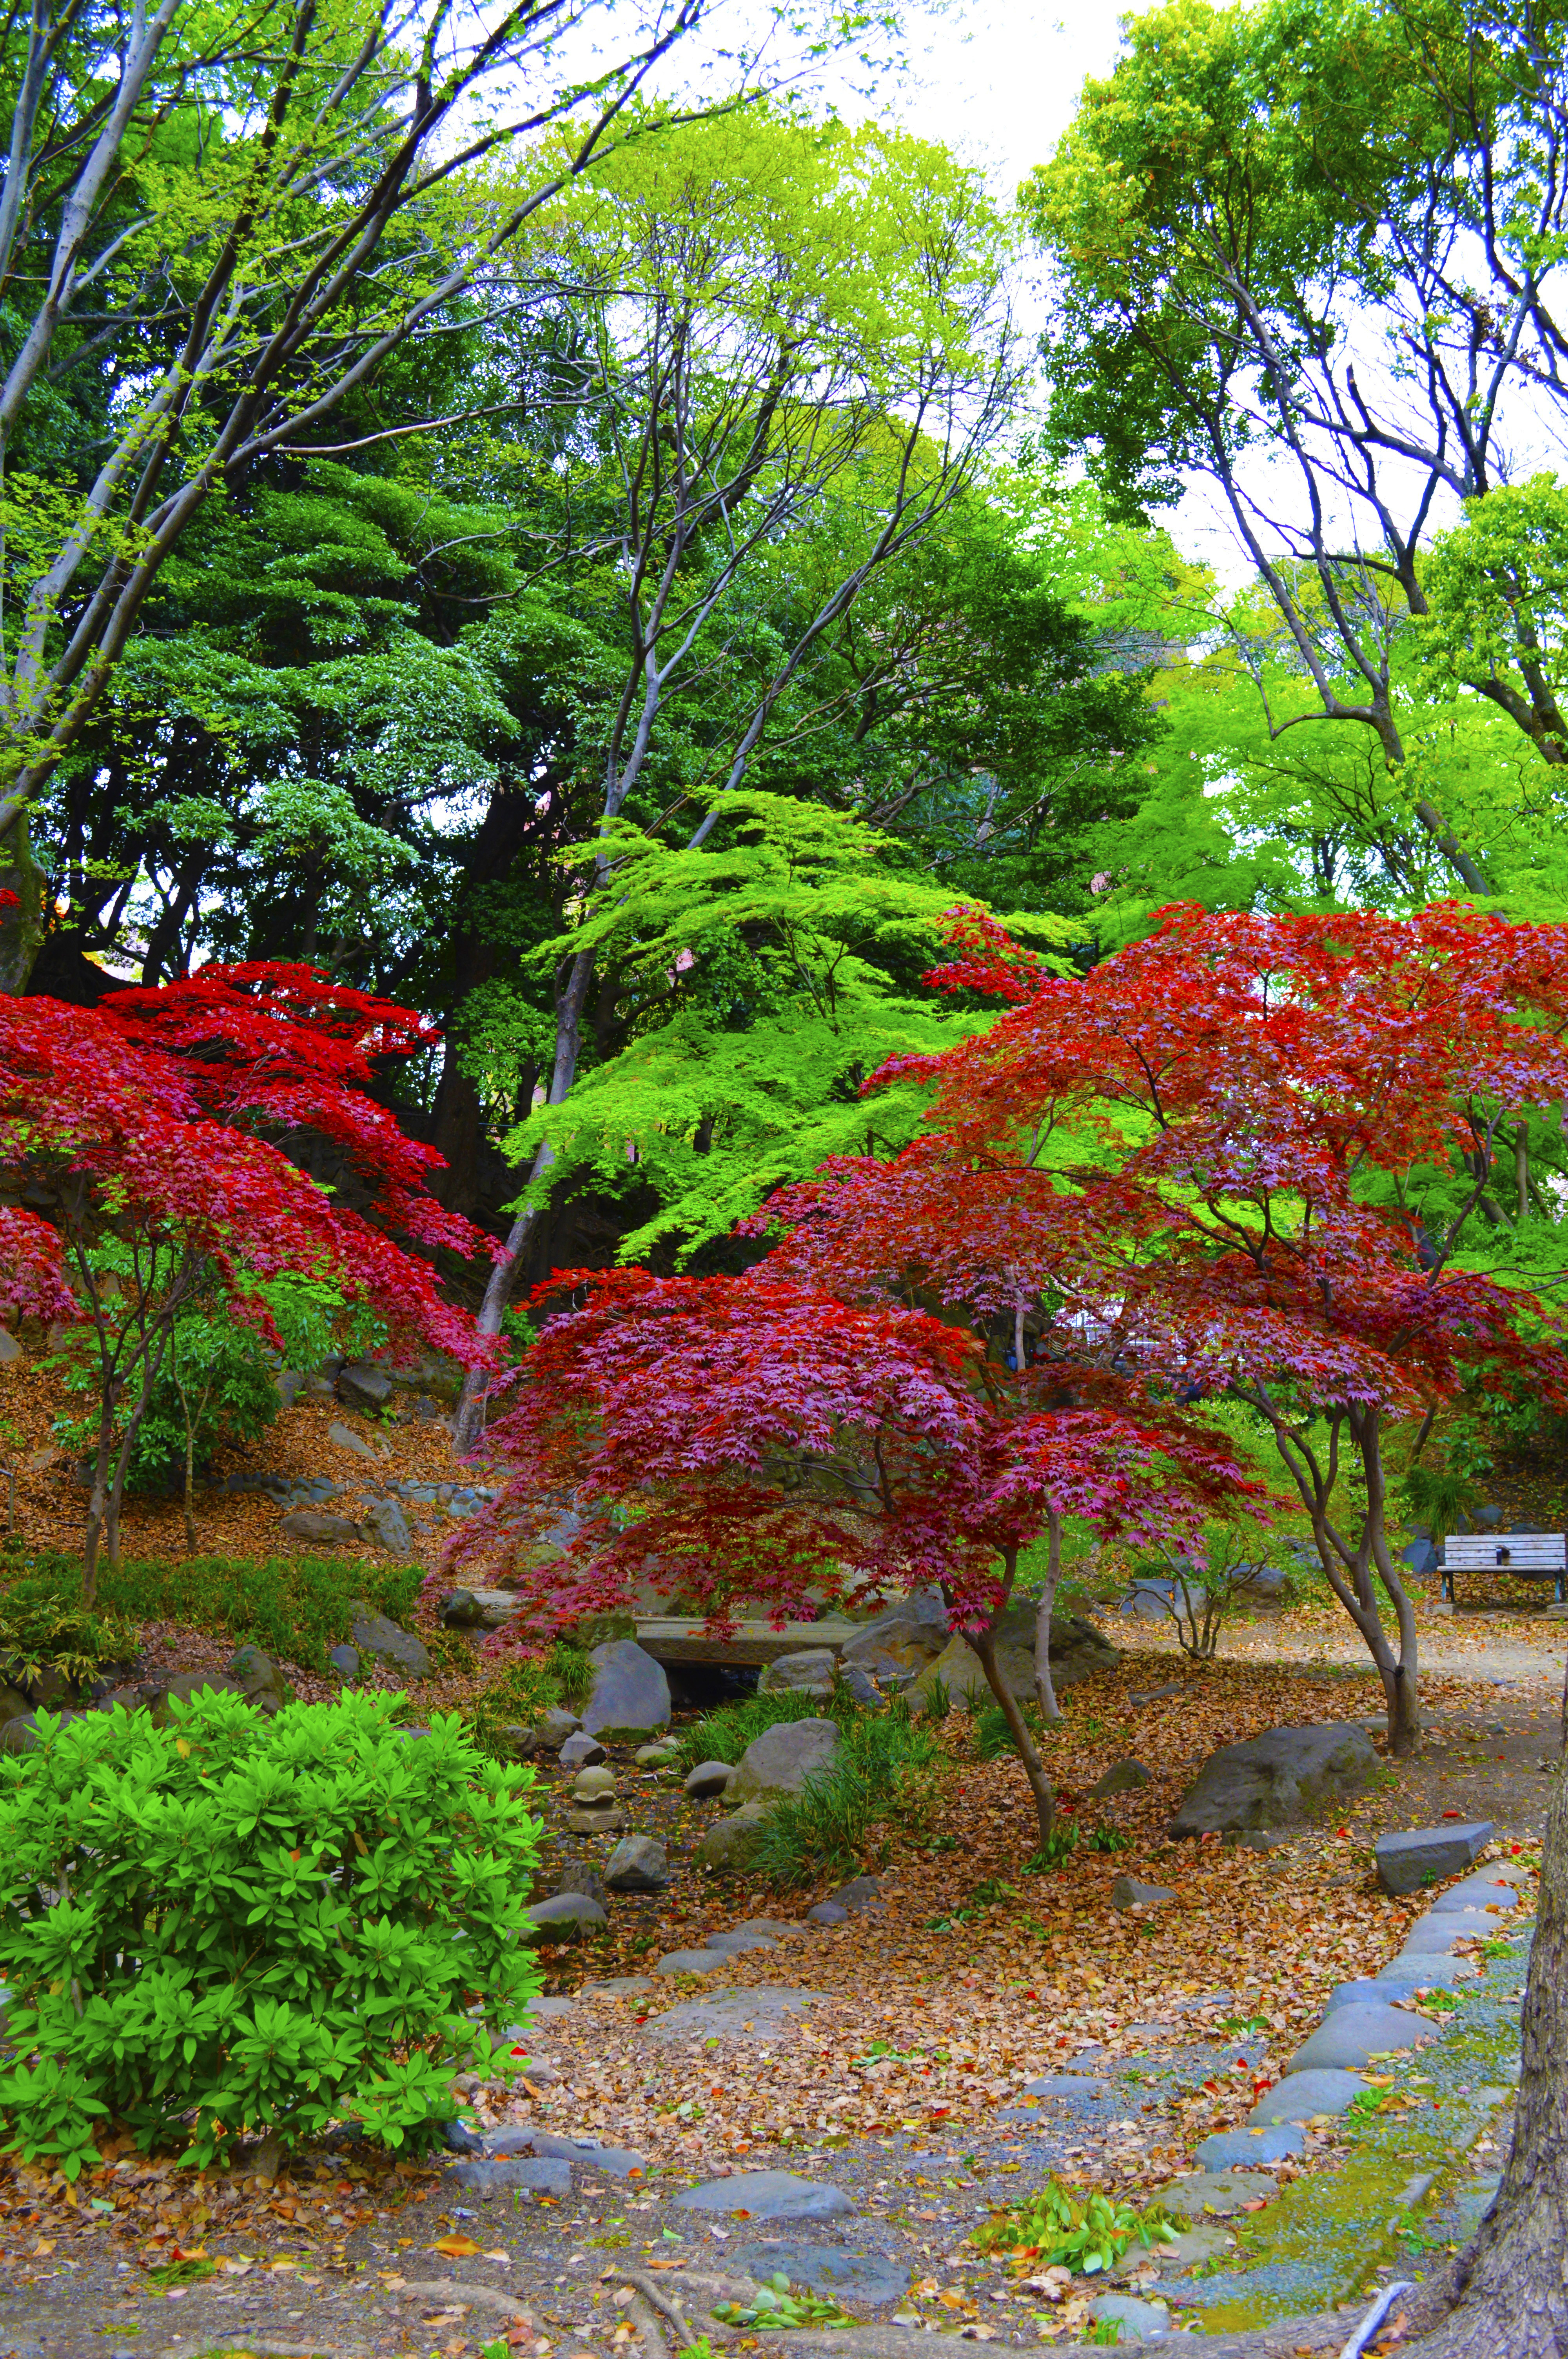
(1512, 2281)
(1040, 1785)
(1044, 1693)
(1521, 1169)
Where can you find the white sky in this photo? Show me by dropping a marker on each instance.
(999, 84)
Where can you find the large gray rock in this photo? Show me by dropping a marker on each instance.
(637, 1863)
(581, 1751)
(1276, 1779)
(809, 1672)
(768, 2195)
(183, 1687)
(630, 1696)
(318, 1529)
(1077, 1651)
(563, 1917)
(1350, 2036)
(361, 1384)
(781, 1759)
(1423, 1856)
(372, 1634)
(386, 1528)
(898, 1644)
(1303, 2097)
(730, 1843)
(708, 1779)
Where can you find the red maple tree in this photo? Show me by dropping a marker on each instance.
(153, 1120)
(734, 1439)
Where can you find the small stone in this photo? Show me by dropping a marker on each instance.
(593, 1785)
(372, 1634)
(345, 1661)
(655, 1756)
(1065, 2084)
(1121, 1778)
(1304, 2095)
(708, 1779)
(386, 1528)
(555, 1727)
(259, 1677)
(1138, 2322)
(1132, 1892)
(828, 1912)
(1216, 2193)
(637, 1863)
(579, 1750)
(1422, 1855)
(737, 1941)
(346, 1438)
(544, 2176)
(563, 1917)
(1235, 2149)
(858, 1683)
(861, 1895)
(580, 1878)
(809, 1672)
(768, 2195)
(1350, 2036)
(616, 2161)
(692, 1961)
(462, 1610)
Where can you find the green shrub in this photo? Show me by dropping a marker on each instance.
(519, 1693)
(295, 1606)
(44, 1626)
(242, 1924)
(882, 1766)
(572, 1673)
(993, 1737)
(1058, 2228)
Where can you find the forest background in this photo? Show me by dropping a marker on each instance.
(575, 524)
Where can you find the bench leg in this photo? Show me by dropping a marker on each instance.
(1448, 1586)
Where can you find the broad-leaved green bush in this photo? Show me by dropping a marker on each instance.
(239, 1925)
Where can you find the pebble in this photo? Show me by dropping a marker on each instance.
(768, 2195)
(828, 1912)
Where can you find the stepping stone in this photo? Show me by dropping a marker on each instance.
(768, 2195)
(1138, 2322)
(1234, 2149)
(548, 2006)
(1475, 1892)
(1304, 2095)
(620, 1986)
(866, 2278)
(1217, 2194)
(544, 2177)
(1423, 1856)
(620, 2161)
(1066, 2084)
(759, 2015)
(737, 1940)
(1352, 2036)
(1131, 1892)
(1187, 2248)
(692, 1961)
(1397, 1981)
(1439, 1932)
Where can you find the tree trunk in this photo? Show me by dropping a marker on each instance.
(1040, 1785)
(21, 925)
(1512, 2281)
(1044, 1693)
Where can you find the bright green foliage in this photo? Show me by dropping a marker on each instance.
(778, 964)
(521, 1691)
(1059, 2228)
(270, 1923)
(775, 2306)
(293, 1606)
(724, 1735)
(45, 1625)
(1497, 606)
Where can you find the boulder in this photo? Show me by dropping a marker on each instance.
(581, 1751)
(781, 1759)
(858, 1683)
(637, 1863)
(810, 1672)
(1266, 1584)
(345, 1661)
(386, 1527)
(1423, 1856)
(1276, 1779)
(372, 1634)
(708, 1779)
(730, 1843)
(555, 1727)
(1157, 1597)
(898, 1644)
(1077, 1651)
(260, 1678)
(631, 1697)
(563, 1917)
(13, 1703)
(461, 1611)
(363, 1386)
(19, 1734)
(318, 1529)
(1121, 1778)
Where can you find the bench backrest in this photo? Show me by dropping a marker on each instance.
(1506, 1552)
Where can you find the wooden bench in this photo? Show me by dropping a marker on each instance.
(1527, 1556)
